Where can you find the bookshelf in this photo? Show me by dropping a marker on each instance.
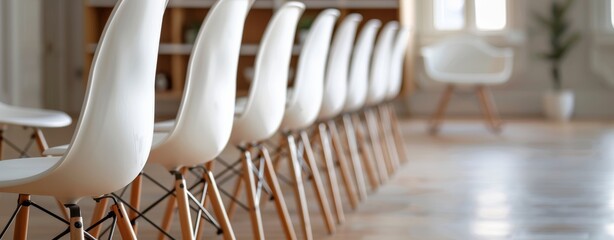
(181, 14)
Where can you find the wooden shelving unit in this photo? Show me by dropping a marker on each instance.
(174, 51)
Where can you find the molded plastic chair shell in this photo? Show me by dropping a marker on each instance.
(305, 99)
(114, 132)
(264, 109)
(396, 63)
(467, 60)
(205, 116)
(359, 68)
(31, 117)
(336, 80)
(380, 65)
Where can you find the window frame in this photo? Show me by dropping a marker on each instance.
(428, 20)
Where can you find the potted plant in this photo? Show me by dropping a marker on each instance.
(558, 102)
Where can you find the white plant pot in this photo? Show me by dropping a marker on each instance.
(558, 105)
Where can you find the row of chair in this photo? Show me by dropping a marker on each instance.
(345, 82)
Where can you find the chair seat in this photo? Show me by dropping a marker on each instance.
(33, 117)
(470, 78)
(167, 126)
(17, 171)
(164, 126)
(158, 137)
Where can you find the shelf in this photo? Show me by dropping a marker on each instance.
(186, 49)
(352, 4)
(259, 4)
(168, 95)
(268, 4)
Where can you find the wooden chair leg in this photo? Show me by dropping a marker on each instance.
(123, 222)
(388, 138)
(169, 213)
(76, 223)
(331, 173)
(185, 219)
(344, 165)
(317, 184)
(22, 220)
(441, 108)
(99, 211)
(382, 132)
(236, 193)
(200, 232)
(218, 206)
(280, 203)
(355, 157)
(299, 189)
(135, 198)
(488, 109)
(354, 124)
(352, 142)
(252, 202)
(396, 133)
(381, 161)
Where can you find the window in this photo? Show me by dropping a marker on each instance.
(612, 12)
(449, 14)
(490, 15)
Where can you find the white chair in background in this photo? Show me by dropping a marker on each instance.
(204, 121)
(333, 100)
(355, 99)
(467, 61)
(258, 117)
(36, 119)
(115, 128)
(303, 104)
(388, 116)
(378, 89)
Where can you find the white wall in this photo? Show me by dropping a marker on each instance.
(21, 43)
(521, 96)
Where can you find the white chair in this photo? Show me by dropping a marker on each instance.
(258, 117)
(114, 131)
(354, 101)
(378, 88)
(333, 99)
(204, 121)
(302, 107)
(390, 123)
(36, 119)
(467, 61)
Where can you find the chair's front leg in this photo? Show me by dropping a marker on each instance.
(441, 109)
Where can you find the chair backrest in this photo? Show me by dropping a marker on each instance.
(267, 95)
(396, 63)
(305, 100)
(380, 64)
(359, 70)
(337, 72)
(114, 132)
(450, 56)
(205, 116)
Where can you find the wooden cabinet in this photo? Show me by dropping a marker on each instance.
(185, 15)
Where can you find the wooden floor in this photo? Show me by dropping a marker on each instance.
(536, 180)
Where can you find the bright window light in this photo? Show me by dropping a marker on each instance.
(449, 14)
(490, 14)
(612, 12)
